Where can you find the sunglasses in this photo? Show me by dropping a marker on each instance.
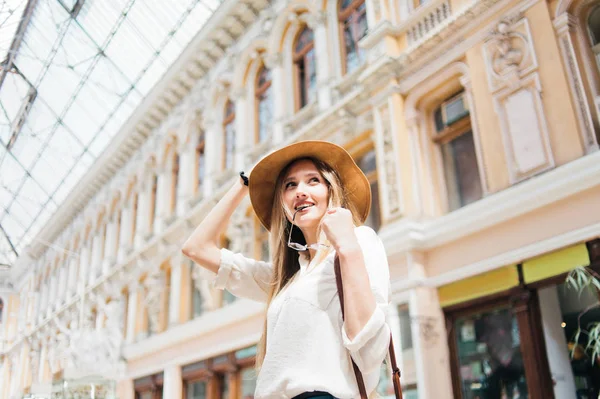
(295, 245)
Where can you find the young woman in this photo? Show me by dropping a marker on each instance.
(310, 196)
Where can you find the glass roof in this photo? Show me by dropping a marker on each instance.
(78, 73)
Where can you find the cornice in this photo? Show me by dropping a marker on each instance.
(140, 125)
(555, 185)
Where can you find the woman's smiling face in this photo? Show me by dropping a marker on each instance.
(304, 186)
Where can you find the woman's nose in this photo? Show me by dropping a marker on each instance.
(301, 190)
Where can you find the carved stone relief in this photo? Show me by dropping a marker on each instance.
(154, 286)
(511, 66)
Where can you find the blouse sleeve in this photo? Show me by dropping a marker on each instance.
(243, 277)
(370, 346)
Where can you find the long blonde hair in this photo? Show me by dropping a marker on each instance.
(285, 260)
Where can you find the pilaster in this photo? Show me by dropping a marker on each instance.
(175, 290)
(432, 359)
(173, 385)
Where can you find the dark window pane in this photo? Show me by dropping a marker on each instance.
(229, 144)
(594, 25)
(345, 4)
(265, 114)
(405, 328)
(248, 377)
(305, 39)
(439, 120)
(461, 171)
(311, 68)
(489, 353)
(223, 387)
(196, 390)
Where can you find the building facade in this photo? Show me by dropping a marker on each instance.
(477, 123)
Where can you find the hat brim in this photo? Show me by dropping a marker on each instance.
(263, 177)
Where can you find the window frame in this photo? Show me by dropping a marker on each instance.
(175, 168)
(451, 132)
(228, 120)
(260, 91)
(344, 15)
(299, 57)
(200, 156)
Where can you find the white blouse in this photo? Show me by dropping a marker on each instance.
(307, 345)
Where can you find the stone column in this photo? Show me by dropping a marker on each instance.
(243, 135)
(214, 140)
(132, 309)
(95, 262)
(432, 359)
(185, 190)
(126, 230)
(175, 291)
(273, 62)
(72, 277)
(556, 344)
(52, 293)
(163, 196)
(143, 212)
(173, 384)
(109, 245)
(62, 284)
(323, 59)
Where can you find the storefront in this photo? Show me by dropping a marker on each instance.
(510, 330)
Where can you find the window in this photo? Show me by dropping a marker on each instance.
(200, 162)
(149, 387)
(488, 348)
(247, 383)
(229, 131)
(367, 163)
(174, 182)
(223, 382)
(455, 139)
(305, 69)
(197, 300)
(196, 390)
(264, 104)
(594, 32)
(353, 27)
(153, 203)
(134, 212)
(261, 241)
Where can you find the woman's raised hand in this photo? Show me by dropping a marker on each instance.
(338, 226)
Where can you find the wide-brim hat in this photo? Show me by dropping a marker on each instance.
(264, 176)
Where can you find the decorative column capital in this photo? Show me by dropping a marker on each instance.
(564, 23)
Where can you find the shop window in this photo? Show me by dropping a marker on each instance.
(229, 135)
(488, 348)
(264, 104)
(200, 162)
(305, 68)
(196, 390)
(353, 27)
(367, 163)
(174, 181)
(454, 136)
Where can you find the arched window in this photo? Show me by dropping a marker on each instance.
(264, 104)
(152, 203)
(594, 32)
(229, 131)
(200, 161)
(134, 213)
(454, 136)
(353, 27)
(305, 68)
(174, 181)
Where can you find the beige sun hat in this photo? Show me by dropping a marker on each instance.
(264, 176)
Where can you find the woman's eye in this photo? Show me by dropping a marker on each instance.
(289, 184)
(315, 179)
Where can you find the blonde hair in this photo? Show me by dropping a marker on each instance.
(284, 259)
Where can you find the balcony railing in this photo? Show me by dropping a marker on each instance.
(426, 18)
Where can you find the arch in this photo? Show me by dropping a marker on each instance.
(415, 96)
(169, 144)
(571, 6)
(294, 13)
(248, 57)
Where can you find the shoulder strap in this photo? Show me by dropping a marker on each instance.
(359, 378)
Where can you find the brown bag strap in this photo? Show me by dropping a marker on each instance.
(359, 378)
